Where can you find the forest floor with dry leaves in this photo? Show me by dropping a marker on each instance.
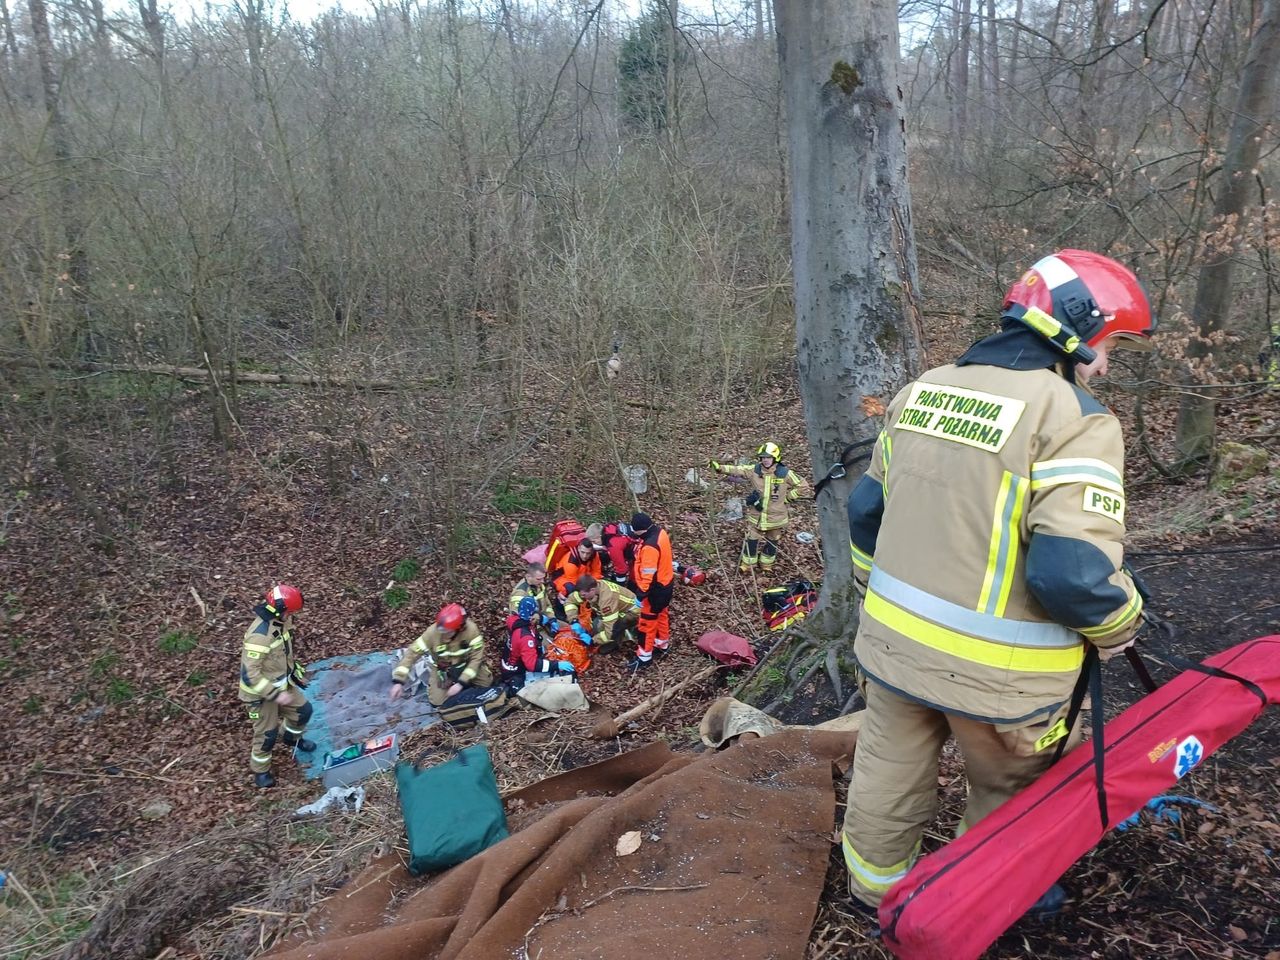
(119, 676)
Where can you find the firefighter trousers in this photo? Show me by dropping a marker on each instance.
(267, 718)
(893, 792)
(655, 624)
(753, 551)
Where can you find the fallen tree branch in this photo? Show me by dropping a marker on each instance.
(610, 727)
(737, 691)
(204, 375)
(617, 890)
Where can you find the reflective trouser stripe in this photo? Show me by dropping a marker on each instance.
(869, 876)
(861, 559)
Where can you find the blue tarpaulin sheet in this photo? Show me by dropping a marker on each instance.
(349, 694)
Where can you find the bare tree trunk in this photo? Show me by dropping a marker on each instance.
(6, 23)
(72, 225)
(673, 79)
(1253, 113)
(1090, 74)
(759, 20)
(993, 65)
(1012, 72)
(467, 174)
(858, 326)
(962, 32)
(1055, 22)
(983, 72)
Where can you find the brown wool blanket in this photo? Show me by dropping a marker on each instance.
(733, 852)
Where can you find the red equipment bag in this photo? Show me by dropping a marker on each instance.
(565, 537)
(728, 648)
(956, 901)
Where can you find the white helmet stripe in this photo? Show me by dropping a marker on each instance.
(1055, 271)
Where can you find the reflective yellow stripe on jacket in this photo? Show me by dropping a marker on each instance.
(1002, 554)
(1017, 645)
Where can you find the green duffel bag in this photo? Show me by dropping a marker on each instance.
(451, 811)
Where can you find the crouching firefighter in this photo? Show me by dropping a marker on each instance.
(987, 540)
(271, 681)
(460, 684)
(613, 611)
(522, 660)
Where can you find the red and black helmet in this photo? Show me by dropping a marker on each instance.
(283, 599)
(451, 617)
(1091, 298)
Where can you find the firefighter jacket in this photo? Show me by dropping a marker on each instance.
(572, 568)
(524, 589)
(521, 651)
(457, 659)
(775, 487)
(987, 536)
(266, 659)
(612, 603)
(652, 565)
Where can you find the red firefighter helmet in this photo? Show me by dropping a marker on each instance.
(284, 599)
(1091, 298)
(693, 576)
(451, 617)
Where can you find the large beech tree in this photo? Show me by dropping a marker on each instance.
(858, 327)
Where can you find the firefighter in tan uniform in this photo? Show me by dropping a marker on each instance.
(271, 681)
(458, 670)
(611, 609)
(773, 486)
(532, 584)
(987, 542)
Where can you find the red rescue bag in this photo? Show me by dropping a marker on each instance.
(565, 537)
(956, 901)
(728, 648)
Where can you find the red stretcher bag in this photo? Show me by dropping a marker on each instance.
(955, 902)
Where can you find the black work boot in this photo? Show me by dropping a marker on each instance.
(659, 653)
(635, 664)
(868, 911)
(304, 745)
(264, 780)
(1049, 905)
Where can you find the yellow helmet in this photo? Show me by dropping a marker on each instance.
(769, 449)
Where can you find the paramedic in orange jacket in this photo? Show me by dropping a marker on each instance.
(653, 572)
(583, 561)
(987, 540)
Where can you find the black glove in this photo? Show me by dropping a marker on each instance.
(754, 500)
